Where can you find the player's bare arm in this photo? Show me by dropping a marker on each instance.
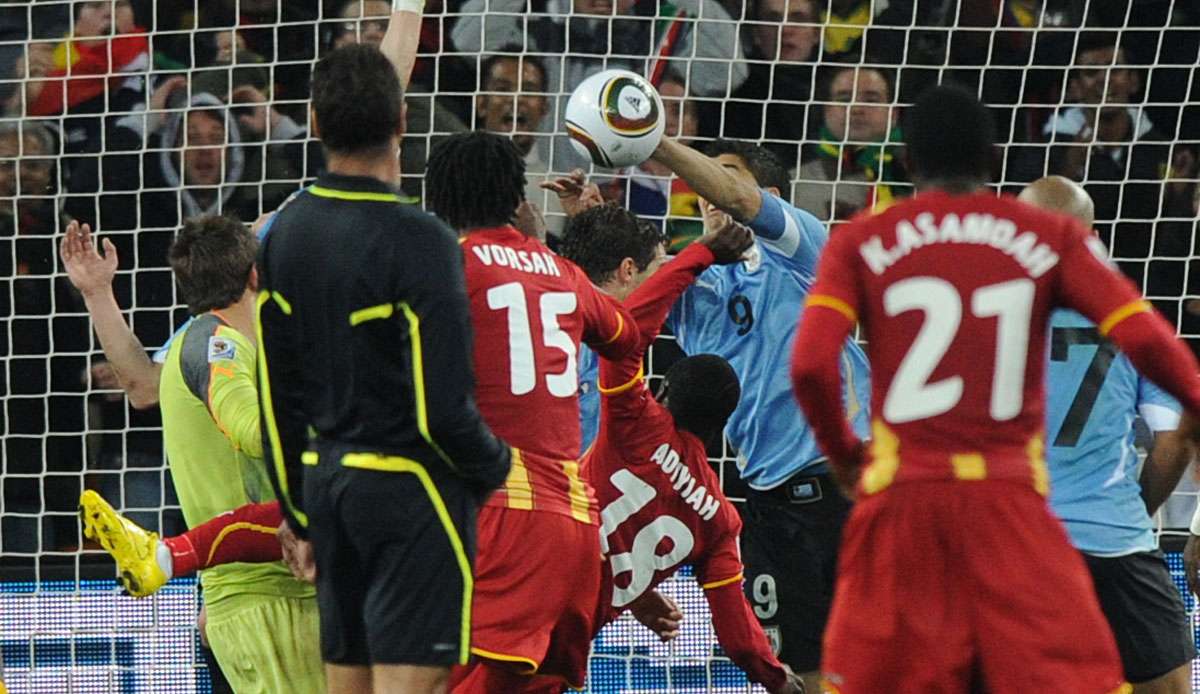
(92, 272)
(716, 181)
(1173, 451)
(403, 35)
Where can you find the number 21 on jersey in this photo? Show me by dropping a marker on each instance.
(911, 396)
(522, 364)
(642, 560)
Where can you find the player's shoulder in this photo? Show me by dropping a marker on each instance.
(208, 341)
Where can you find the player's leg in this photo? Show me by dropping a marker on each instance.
(1037, 622)
(790, 541)
(899, 622)
(268, 643)
(146, 563)
(1148, 619)
(348, 679)
(405, 560)
(536, 591)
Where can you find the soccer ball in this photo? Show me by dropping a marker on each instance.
(615, 118)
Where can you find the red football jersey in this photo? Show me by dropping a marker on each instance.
(661, 503)
(953, 294)
(530, 310)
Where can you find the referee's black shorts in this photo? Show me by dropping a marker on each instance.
(394, 542)
(1145, 611)
(790, 539)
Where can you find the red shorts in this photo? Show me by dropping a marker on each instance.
(537, 586)
(945, 582)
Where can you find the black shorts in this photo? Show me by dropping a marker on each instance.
(1145, 611)
(394, 551)
(790, 539)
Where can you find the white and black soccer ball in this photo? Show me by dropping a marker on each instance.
(615, 119)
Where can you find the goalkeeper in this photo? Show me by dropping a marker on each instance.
(262, 622)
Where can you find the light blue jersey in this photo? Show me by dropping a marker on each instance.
(747, 313)
(1093, 394)
(589, 396)
(160, 354)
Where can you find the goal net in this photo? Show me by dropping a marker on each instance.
(131, 115)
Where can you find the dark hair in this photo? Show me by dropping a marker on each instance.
(357, 98)
(766, 167)
(475, 179)
(212, 257)
(950, 135)
(702, 391)
(512, 51)
(889, 79)
(1099, 39)
(598, 239)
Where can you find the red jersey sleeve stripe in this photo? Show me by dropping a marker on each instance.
(723, 582)
(834, 303)
(1121, 313)
(620, 329)
(617, 390)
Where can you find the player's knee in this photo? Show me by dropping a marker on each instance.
(409, 679)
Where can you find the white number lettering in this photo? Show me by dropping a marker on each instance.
(765, 598)
(1011, 303)
(522, 368)
(911, 396)
(642, 559)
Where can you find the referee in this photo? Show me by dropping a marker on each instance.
(367, 396)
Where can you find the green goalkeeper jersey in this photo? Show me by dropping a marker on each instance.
(209, 402)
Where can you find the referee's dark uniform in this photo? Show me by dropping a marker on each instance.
(367, 389)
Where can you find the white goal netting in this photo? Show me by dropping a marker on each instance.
(131, 115)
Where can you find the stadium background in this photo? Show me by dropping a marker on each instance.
(92, 97)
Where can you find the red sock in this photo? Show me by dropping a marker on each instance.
(245, 534)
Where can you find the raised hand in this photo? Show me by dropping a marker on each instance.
(575, 194)
(297, 554)
(89, 271)
(728, 243)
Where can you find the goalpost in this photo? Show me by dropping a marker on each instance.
(98, 132)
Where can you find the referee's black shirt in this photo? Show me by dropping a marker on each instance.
(365, 336)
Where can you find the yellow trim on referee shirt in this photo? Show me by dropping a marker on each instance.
(393, 463)
(577, 492)
(234, 527)
(269, 410)
(418, 369)
(617, 390)
(517, 489)
(1121, 314)
(353, 196)
(722, 582)
(310, 457)
(282, 302)
(379, 312)
(834, 303)
(490, 655)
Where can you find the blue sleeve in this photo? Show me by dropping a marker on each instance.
(160, 354)
(791, 232)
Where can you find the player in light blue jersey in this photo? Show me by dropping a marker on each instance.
(746, 313)
(1093, 396)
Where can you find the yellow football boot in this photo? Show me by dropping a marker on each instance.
(134, 548)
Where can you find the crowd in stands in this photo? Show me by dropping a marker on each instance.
(132, 115)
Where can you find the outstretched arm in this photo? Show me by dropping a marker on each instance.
(92, 274)
(402, 37)
(710, 179)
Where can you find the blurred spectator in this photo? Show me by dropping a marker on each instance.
(1113, 147)
(857, 164)
(584, 39)
(512, 101)
(654, 193)
(42, 391)
(772, 105)
(283, 33)
(360, 21)
(80, 71)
